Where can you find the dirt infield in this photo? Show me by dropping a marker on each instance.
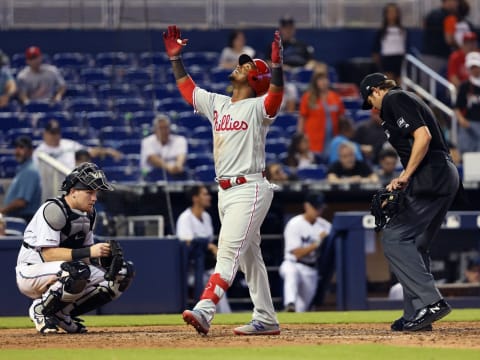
(445, 335)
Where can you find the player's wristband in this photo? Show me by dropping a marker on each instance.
(81, 253)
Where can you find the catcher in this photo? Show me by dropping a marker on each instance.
(60, 267)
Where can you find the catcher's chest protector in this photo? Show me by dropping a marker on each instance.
(77, 225)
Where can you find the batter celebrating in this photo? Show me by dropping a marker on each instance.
(430, 182)
(240, 125)
(55, 263)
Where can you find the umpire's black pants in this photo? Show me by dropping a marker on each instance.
(407, 239)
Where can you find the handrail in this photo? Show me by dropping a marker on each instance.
(410, 80)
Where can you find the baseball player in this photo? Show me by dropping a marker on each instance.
(56, 263)
(194, 226)
(239, 125)
(303, 235)
(430, 183)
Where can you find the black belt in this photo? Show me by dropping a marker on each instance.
(312, 265)
(28, 246)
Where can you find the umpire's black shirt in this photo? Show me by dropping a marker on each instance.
(402, 113)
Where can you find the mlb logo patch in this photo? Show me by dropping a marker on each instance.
(402, 123)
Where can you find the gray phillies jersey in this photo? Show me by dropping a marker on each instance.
(56, 225)
(239, 132)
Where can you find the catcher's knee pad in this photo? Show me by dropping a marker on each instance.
(73, 280)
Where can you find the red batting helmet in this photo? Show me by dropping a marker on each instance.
(258, 78)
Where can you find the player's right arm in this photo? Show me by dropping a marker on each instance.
(173, 46)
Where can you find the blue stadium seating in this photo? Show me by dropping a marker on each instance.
(8, 166)
(12, 134)
(114, 59)
(64, 119)
(352, 103)
(109, 161)
(130, 146)
(199, 159)
(313, 172)
(205, 173)
(13, 120)
(72, 59)
(276, 146)
(361, 115)
(285, 120)
(142, 118)
(139, 77)
(96, 76)
(42, 106)
(176, 104)
(116, 91)
(122, 173)
(76, 133)
(160, 91)
(118, 133)
(301, 75)
(219, 75)
(275, 133)
(78, 105)
(131, 105)
(190, 120)
(100, 119)
(204, 59)
(79, 90)
(199, 146)
(15, 226)
(202, 133)
(154, 58)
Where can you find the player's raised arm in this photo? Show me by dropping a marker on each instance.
(173, 46)
(275, 91)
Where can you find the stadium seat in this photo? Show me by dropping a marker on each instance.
(100, 119)
(302, 75)
(109, 161)
(190, 120)
(114, 59)
(8, 166)
(130, 146)
(78, 105)
(12, 134)
(15, 226)
(173, 104)
(180, 130)
(199, 146)
(276, 146)
(199, 159)
(142, 118)
(361, 115)
(159, 175)
(130, 105)
(76, 133)
(122, 173)
(42, 106)
(116, 91)
(72, 59)
(79, 90)
(95, 76)
(204, 59)
(202, 133)
(154, 58)
(205, 173)
(13, 120)
(275, 133)
(139, 77)
(64, 119)
(219, 75)
(352, 103)
(118, 133)
(160, 91)
(286, 120)
(224, 88)
(313, 172)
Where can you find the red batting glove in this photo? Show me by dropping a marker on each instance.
(173, 42)
(277, 50)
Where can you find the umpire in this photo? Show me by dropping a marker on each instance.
(430, 181)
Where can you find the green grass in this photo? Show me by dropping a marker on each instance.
(327, 317)
(314, 352)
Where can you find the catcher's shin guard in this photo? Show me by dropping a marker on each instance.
(72, 282)
(104, 292)
(215, 288)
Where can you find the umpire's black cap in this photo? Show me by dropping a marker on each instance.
(369, 81)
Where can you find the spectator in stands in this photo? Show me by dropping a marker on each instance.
(163, 150)
(236, 47)
(349, 170)
(371, 137)
(438, 36)
(388, 160)
(390, 44)
(3, 226)
(194, 227)
(24, 195)
(64, 150)
(82, 156)
(299, 154)
(275, 173)
(39, 81)
(8, 86)
(346, 132)
(320, 109)
(467, 108)
(457, 71)
(462, 24)
(472, 272)
(303, 236)
(295, 53)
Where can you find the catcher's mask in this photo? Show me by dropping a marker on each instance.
(259, 77)
(87, 176)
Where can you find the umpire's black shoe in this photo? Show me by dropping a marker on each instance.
(398, 324)
(427, 315)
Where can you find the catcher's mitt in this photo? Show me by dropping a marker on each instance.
(385, 204)
(113, 263)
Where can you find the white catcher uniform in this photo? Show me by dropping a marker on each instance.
(239, 131)
(190, 227)
(300, 276)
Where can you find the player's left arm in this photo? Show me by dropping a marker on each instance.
(273, 100)
(173, 46)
